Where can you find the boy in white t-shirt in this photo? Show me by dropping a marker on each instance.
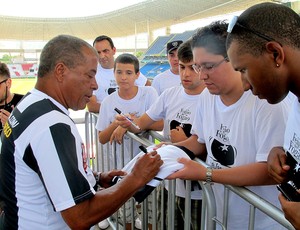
(235, 128)
(177, 107)
(170, 77)
(129, 99)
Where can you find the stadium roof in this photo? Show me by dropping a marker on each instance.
(141, 17)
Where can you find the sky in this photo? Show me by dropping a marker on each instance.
(61, 8)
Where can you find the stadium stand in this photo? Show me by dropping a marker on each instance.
(155, 61)
(23, 70)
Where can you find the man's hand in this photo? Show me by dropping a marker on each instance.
(277, 166)
(291, 211)
(146, 167)
(4, 114)
(106, 177)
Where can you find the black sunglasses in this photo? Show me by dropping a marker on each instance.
(3, 81)
(234, 22)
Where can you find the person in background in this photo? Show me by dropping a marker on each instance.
(43, 178)
(8, 100)
(235, 128)
(176, 107)
(105, 73)
(170, 77)
(264, 46)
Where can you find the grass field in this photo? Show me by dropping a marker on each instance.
(22, 85)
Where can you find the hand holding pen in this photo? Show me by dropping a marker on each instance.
(127, 118)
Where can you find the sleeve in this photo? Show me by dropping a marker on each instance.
(157, 110)
(64, 179)
(152, 96)
(104, 114)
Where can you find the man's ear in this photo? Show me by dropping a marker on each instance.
(60, 70)
(276, 51)
(138, 74)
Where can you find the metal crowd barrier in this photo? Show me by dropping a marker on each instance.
(208, 218)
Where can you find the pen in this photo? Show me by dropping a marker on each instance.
(127, 118)
(143, 148)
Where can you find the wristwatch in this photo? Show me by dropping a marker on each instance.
(209, 174)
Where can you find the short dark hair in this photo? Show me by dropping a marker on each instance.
(184, 52)
(102, 38)
(4, 70)
(271, 19)
(212, 37)
(127, 58)
(63, 48)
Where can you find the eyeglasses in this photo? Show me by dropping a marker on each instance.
(234, 22)
(3, 81)
(208, 68)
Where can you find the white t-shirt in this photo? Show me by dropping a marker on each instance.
(177, 109)
(107, 83)
(165, 80)
(145, 97)
(240, 134)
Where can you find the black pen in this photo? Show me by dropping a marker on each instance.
(143, 149)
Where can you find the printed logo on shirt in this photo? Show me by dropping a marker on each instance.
(294, 147)
(184, 115)
(186, 127)
(223, 152)
(7, 130)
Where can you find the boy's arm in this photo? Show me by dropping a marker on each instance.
(246, 175)
(104, 135)
(146, 123)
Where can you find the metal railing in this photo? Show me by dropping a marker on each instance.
(208, 217)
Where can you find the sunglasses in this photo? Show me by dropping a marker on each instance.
(234, 22)
(3, 81)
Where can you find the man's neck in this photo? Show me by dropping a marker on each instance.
(195, 91)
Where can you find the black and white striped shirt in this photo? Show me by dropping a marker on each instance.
(41, 167)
